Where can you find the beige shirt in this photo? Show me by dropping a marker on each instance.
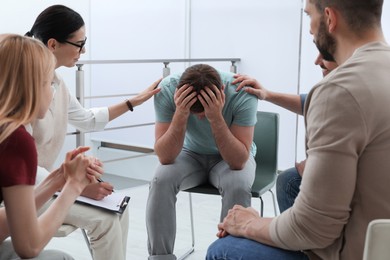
(347, 175)
(50, 132)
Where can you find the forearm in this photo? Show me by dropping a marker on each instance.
(4, 232)
(54, 216)
(117, 110)
(258, 230)
(45, 190)
(232, 150)
(170, 144)
(288, 101)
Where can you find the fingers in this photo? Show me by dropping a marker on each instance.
(185, 97)
(211, 94)
(96, 171)
(237, 80)
(107, 186)
(79, 150)
(96, 165)
(155, 84)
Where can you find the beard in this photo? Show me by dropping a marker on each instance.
(325, 43)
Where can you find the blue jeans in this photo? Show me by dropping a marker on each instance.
(287, 188)
(231, 248)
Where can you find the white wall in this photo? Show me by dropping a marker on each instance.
(264, 34)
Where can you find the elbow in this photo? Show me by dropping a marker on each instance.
(237, 166)
(165, 160)
(26, 249)
(27, 252)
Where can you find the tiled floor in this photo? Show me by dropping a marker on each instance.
(206, 217)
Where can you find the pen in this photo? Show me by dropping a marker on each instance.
(100, 180)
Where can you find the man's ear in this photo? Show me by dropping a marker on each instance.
(52, 44)
(330, 19)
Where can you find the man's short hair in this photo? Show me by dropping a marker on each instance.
(360, 15)
(200, 76)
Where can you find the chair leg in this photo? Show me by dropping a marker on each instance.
(192, 248)
(274, 201)
(261, 206)
(87, 241)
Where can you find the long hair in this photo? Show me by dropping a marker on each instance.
(25, 65)
(58, 22)
(200, 76)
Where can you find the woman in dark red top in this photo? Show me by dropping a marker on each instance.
(26, 73)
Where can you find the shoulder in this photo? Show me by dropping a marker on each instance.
(20, 141)
(170, 81)
(226, 77)
(18, 149)
(168, 85)
(19, 153)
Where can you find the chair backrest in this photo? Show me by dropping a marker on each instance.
(266, 138)
(377, 246)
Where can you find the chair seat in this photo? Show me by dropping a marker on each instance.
(206, 188)
(260, 186)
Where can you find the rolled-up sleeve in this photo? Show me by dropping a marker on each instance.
(87, 119)
(334, 142)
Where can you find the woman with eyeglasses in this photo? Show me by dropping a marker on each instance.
(62, 30)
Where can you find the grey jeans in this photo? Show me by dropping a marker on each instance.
(189, 170)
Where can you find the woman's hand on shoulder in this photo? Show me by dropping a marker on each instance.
(146, 94)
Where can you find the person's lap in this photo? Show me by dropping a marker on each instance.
(287, 188)
(230, 248)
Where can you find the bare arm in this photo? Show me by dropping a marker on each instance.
(291, 102)
(30, 233)
(288, 101)
(121, 108)
(234, 143)
(170, 136)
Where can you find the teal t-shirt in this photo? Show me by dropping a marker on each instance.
(240, 109)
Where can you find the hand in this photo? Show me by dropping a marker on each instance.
(79, 150)
(184, 98)
(237, 221)
(300, 167)
(213, 100)
(95, 166)
(146, 94)
(75, 168)
(98, 190)
(252, 86)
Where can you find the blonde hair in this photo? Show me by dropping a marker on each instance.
(25, 65)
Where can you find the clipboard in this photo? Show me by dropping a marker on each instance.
(116, 202)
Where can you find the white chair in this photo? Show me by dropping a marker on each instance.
(377, 244)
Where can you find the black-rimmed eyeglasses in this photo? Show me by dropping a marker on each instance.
(81, 45)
